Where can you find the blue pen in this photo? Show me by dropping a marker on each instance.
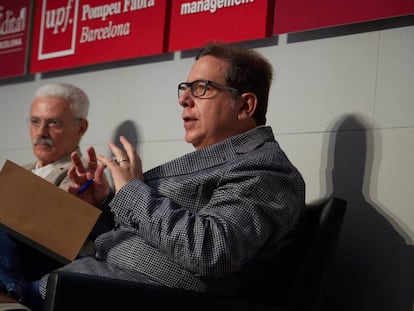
(85, 186)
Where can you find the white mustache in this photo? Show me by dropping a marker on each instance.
(41, 140)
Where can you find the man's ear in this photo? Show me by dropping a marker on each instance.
(83, 126)
(247, 105)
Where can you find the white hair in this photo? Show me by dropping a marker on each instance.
(79, 101)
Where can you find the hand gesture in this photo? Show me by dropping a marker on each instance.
(125, 166)
(81, 175)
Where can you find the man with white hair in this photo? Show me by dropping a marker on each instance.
(57, 122)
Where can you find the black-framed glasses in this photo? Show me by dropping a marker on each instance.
(203, 88)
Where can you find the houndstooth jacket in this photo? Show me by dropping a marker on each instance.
(205, 216)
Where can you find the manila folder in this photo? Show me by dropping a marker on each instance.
(42, 215)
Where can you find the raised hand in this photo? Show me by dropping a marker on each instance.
(81, 176)
(125, 166)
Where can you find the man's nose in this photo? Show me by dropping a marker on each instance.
(186, 100)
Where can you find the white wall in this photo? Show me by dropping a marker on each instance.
(342, 108)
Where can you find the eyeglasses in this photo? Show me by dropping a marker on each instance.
(202, 88)
(53, 123)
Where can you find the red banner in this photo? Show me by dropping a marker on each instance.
(194, 23)
(300, 15)
(72, 33)
(14, 35)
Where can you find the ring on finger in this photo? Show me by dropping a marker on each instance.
(119, 161)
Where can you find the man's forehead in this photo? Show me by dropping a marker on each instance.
(50, 105)
(209, 68)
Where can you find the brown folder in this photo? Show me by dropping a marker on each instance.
(42, 215)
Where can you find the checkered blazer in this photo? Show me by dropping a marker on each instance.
(207, 214)
(199, 220)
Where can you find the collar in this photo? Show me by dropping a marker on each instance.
(214, 155)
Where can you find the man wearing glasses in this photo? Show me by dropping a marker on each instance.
(57, 122)
(211, 220)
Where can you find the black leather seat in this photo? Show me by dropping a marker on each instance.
(319, 240)
(308, 260)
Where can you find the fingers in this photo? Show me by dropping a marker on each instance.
(131, 152)
(92, 161)
(120, 175)
(99, 173)
(78, 173)
(134, 159)
(77, 162)
(108, 162)
(74, 177)
(126, 165)
(120, 155)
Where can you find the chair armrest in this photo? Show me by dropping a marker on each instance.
(74, 291)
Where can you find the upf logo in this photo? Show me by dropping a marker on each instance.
(58, 28)
(58, 19)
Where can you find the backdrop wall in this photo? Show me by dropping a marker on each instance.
(341, 105)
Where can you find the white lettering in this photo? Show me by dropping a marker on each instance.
(102, 11)
(7, 44)
(10, 24)
(133, 5)
(59, 17)
(103, 33)
(211, 6)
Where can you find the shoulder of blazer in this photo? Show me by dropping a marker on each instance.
(214, 155)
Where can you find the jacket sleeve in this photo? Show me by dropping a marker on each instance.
(246, 210)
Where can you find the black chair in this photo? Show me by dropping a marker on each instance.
(319, 240)
(308, 258)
